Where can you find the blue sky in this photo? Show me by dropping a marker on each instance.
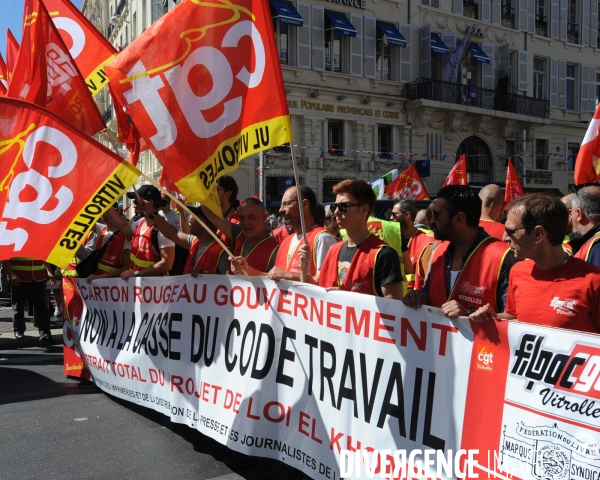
(12, 17)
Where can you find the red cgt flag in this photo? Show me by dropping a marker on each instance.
(513, 189)
(45, 73)
(587, 168)
(55, 182)
(458, 174)
(204, 88)
(91, 52)
(12, 52)
(408, 185)
(89, 49)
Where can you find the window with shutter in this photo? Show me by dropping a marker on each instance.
(405, 60)
(585, 87)
(496, 13)
(370, 46)
(523, 75)
(562, 89)
(457, 7)
(531, 16)
(585, 23)
(318, 37)
(564, 19)
(554, 82)
(356, 46)
(554, 18)
(486, 10)
(593, 23)
(425, 51)
(487, 70)
(303, 36)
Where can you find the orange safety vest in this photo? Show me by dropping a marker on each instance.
(416, 244)
(28, 270)
(208, 261)
(290, 261)
(142, 252)
(584, 251)
(476, 284)
(260, 256)
(112, 259)
(360, 277)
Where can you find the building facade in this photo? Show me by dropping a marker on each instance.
(374, 85)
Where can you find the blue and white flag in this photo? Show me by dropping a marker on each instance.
(450, 73)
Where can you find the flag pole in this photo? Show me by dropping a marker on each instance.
(184, 207)
(303, 271)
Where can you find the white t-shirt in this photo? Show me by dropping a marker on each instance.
(163, 242)
(324, 242)
(173, 218)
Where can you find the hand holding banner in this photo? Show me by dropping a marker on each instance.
(55, 182)
(204, 88)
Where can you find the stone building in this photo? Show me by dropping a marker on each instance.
(371, 87)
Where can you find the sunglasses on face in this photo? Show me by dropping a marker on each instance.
(343, 206)
(511, 231)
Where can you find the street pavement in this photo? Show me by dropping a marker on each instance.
(51, 428)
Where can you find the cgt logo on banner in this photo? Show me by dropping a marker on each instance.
(204, 88)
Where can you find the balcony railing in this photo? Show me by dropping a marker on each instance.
(470, 9)
(477, 97)
(508, 16)
(541, 25)
(572, 33)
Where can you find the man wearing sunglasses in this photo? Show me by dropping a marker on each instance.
(470, 269)
(585, 213)
(550, 288)
(363, 263)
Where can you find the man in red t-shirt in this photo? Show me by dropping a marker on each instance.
(550, 288)
(492, 205)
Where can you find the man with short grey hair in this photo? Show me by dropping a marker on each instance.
(585, 214)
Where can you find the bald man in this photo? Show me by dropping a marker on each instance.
(492, 206)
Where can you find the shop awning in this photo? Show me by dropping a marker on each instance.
(394, 37)
(341, 24)
(287, 13)
(478, 54)
(437, 46)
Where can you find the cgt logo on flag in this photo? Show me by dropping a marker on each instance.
(204, 88)
(54, 183)
(485, 358)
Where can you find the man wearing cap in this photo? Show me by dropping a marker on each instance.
(254, 248)
(206, 254)
(150, 257)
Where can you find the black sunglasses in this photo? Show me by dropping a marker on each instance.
(343, 206)
(511, 231)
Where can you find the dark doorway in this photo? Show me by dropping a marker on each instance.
(479, 157)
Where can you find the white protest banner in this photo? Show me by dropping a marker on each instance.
(294, 373)
(288, 372)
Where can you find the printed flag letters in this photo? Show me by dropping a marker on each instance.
(204, 88)
(54, 183)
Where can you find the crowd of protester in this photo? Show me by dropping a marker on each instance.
(536, 259)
